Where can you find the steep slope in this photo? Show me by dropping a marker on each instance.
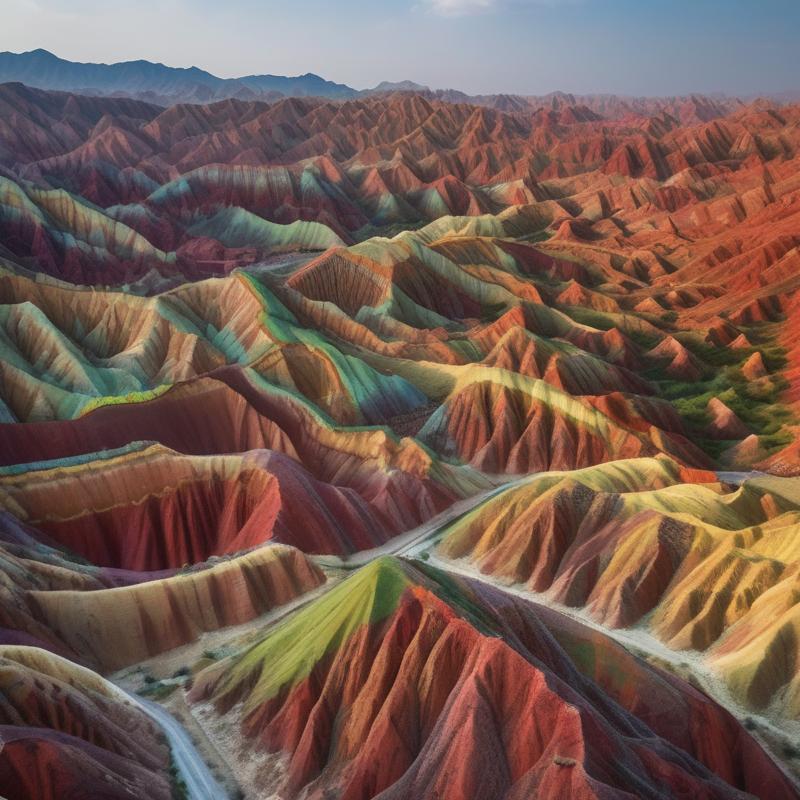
(67, 733)
(506, 424)
(114, 628)
(702, 566)
(472, 694)
(184, 509)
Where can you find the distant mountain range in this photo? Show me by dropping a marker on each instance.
(157, 82)
(166, 86)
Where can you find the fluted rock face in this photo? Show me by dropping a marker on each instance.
(422, 684)
(67, 733)
(28, 564)
(565, 347)
(758, 656)
(627, 542)
(521, 426)
(239, 336)
(303, 173)
(117, 627)
(146, 509)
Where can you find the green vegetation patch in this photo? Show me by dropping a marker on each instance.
(131, 397)
(756, 402)
(289, 653)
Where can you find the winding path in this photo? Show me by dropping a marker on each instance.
(417, 538)
(200, 783)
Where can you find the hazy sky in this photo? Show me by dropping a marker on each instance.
(526, 46)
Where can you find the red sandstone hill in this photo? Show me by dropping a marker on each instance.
(488, 289)
(421, 684)
(222, 172)
(67, 733)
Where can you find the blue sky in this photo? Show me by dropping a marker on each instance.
(650, 47)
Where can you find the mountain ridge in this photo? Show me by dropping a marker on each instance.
(44, 70)
(167, 85)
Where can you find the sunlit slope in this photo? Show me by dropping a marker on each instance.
(113, 628)
(704, 566)
(473, 693)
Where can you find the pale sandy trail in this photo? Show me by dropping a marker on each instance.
(642, 643)
(417, 538)
(200, 783)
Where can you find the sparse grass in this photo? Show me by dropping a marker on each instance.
(132, 397)
(287, 654)
(630, 324)
(790, 751)
(179, 789)
(158, 690)
(756, 402)
(564, 761)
